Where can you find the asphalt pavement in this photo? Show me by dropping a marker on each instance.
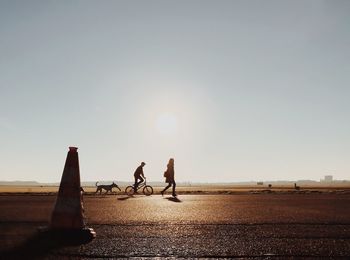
(269, 226)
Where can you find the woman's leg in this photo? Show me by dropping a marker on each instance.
(167, 187)
(174, 186)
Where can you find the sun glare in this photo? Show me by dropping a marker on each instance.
(166, 124)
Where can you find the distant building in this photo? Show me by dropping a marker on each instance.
(328, 178)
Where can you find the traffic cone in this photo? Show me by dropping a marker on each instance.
(67, 217)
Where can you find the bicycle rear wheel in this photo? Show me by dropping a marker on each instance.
(148, 190)
(129, 190)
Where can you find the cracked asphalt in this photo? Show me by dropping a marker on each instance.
(250, 226)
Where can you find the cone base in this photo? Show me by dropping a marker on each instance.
(70, 236)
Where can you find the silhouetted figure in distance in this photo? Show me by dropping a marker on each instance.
(296, 187)
(169, 177)
(139, 176)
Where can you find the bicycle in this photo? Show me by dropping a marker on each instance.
(147, 189)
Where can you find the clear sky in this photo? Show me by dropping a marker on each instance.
(233, 90)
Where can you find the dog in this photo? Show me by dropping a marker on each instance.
(108, 188)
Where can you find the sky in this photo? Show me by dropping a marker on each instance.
(232, 90)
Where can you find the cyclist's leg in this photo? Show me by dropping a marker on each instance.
(138, 181)
(141, 180)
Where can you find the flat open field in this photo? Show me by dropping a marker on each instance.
(249, 226)
(203, 189)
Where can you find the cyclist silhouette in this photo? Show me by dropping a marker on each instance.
(139, 176)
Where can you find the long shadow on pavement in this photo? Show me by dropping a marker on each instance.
(173, 199)
(42, 244)
(125, 198)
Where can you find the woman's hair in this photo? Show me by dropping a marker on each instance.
(171, 161)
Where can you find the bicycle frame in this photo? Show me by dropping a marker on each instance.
(146, 189)
(141, 185)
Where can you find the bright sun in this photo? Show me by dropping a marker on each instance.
(166, 124)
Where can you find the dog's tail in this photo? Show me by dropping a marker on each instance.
(96, 183)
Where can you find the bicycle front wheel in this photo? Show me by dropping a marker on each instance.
(148, 190)
(129, 190)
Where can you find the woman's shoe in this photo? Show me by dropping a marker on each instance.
(162, 192)
(174, 194)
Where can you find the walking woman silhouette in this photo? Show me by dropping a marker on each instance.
(169, 177)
